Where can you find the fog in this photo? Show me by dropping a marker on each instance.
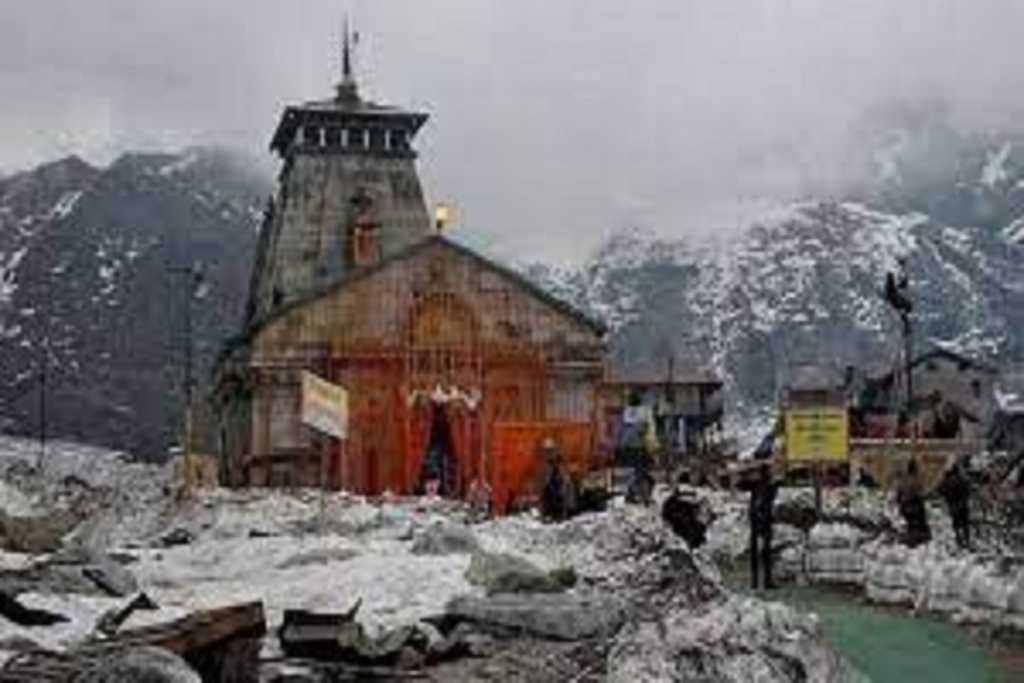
(552, 123)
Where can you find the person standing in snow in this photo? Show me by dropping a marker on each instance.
(552, 497)
(956, 490)
(761, 516)
(910, 499)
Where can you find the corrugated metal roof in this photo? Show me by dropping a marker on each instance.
(813, 377)
(649, 369)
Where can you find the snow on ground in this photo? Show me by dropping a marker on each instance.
(303, 549)
(320, 563)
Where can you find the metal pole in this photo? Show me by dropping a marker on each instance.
(43, 361)
(908, 343)
(191, 276)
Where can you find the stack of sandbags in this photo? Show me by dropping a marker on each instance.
(886, 576)
(834, 554)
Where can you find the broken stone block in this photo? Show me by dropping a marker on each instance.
(503, 573)
(556, 617)
(444, 538)
(35, 535)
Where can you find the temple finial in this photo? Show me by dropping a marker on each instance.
(347, 89)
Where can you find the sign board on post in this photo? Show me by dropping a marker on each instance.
(324, 406)
(816, 434)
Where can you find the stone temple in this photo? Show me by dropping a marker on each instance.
(456, 368)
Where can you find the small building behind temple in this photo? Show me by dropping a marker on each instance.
(953, 397)
(685, 399)
(814, 385)
(456, 367)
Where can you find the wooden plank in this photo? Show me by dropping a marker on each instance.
(192, 634)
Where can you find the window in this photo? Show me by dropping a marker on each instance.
(312, 135)
(356, 138)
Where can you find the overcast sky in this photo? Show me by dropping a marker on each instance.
(553, 121)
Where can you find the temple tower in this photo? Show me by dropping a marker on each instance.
(348, 194)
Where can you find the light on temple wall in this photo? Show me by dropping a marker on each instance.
(442, 216)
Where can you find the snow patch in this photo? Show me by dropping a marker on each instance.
(8, 279)
(65, 205)
(994, 171)
(179, 165)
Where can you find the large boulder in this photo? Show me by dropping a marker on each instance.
(444, 538)
(37, 534)
(504, 573)
(139, 665)
(555, 617)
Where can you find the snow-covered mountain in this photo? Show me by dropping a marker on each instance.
(922, 160)
(802, 285)
(86, 252)
(85, 272)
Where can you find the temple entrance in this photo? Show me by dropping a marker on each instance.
(439, 474)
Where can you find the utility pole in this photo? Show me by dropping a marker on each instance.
(193, 278)
(44, 361)
(897, 293)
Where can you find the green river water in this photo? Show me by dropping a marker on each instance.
(892, 645)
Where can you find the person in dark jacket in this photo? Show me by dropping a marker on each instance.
(910, 499)
(552, 497)
(683, 512)
(956, 490)
(761, 516)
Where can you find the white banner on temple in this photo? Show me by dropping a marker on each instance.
(452, 394)
(324, 406)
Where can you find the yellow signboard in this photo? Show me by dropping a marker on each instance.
(817, 434)
(324, 406)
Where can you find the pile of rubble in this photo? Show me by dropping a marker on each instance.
(604, 596)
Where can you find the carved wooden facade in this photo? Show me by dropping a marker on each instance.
(433, 331)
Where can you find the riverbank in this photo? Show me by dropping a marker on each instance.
(887, 644)
(932, 613)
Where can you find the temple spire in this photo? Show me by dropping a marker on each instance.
(347, 89)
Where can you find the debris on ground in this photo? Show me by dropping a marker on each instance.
(112, 620)
(12, 610)
(438, 590)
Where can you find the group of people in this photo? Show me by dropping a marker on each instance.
(955, 489)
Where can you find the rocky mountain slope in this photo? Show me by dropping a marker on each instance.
(85, 282)
(802, 286)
